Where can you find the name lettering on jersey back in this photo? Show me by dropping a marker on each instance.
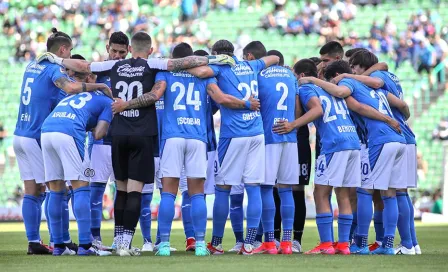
(275, 72)
(182, 74)
(276, 120)
(127, 70)
(251, 116)
(64, 114)
(130, 113)
(188, 121)
(242, 69)
(160, 105)
(25, 117)
(35, 68)
(347, 129)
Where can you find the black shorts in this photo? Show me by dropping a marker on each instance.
(303, 146)
(423, 67)
(133, 158)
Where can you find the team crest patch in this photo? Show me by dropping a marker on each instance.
(89, 173)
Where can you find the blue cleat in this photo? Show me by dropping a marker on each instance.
(383, 251)
(57, 251)
(92, 251)
(164, 249)
(355, 249)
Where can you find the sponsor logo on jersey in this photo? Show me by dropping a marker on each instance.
(275, 72)
(127, 70)
(242, 69)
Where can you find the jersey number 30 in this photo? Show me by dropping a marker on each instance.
(127, 91)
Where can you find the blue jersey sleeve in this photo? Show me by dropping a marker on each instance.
(347, 83)
(379, 75)
(306, 93)
(257, 65)
(215, 69)
(57, 72)
(211, 80)
(161, 76)
(106, 114)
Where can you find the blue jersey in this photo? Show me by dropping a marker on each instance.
(377, 132)
(39, 96)
(185, 114)
(239, 81)
(77, 114)
(361, 129)
(211, 135)
(336, 129)
(277, 90)
(160, 105)
(392, 85)
(105, 79)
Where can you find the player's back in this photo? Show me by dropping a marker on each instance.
(185, 105)
(239, 81)
(38, 97)
(336, 129)
(377, 132)
(392, 85)
(277, 87)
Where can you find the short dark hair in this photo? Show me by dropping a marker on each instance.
(77, 56)
(364, 58)
(349, 53)
(141, 41)
(256, 48)
(306, 66)
(182, 50)
(332, 48)
(119, 38)
(277, 53)
(79, 75)
(337, 67)
(223, 47)
(201, 52)
(57, 39)
(316, 60)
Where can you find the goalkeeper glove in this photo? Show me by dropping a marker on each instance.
(221, 60)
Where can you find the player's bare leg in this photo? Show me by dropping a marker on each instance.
(345, 218)
(198, 214)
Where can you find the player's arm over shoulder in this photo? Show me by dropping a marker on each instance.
(340, 91)
(401, 105)
(100, 130)
(104, 119)
(71, 87)
(223, 99)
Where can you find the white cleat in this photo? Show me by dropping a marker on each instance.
(296, 247)
(277, 243)
(133, 251)
(147, 247)
(98, 244)
(418, 250)
(257, 244)
(237, 247)
(100, 252)
(156, 248)
(402, 250)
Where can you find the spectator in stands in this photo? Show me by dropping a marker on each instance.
(188, 8)
(426, 59)
(278, 18)
(441, 131)
(17, 195)
(389, 27)
(441, 52)
(401, 52)
(350, 10)
(310, 8)
(300, 24)
(438, 202)
(422, 167)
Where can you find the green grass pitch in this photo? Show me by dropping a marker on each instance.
(432, 238)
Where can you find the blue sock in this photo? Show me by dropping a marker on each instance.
(66, 218)
(96, 207)
(82, 211)
(354, 226)
(390, 219)
(287, 211)
(331, 209)
(158, 236)
(403, 220)
(186, 215)
(145, 217)
(199, 216)
(411, 221)
(47, 216)
(253, 213)
(39, 212)
(365, 212)
(268, 211)
(378, 225)
(344, 226)
(30, 210)
(324, 223)
(55, 204)
(259, 236)
(220, 213)
(237, 216)
(166, 215)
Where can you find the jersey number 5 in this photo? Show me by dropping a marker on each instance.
(26, 98)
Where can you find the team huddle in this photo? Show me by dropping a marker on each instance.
(149, 124)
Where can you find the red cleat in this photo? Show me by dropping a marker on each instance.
(374, 246)
(323, 248)
(342, 248)
(246, 249)
(191, 244)
(215, 250)
(266, 248)
(285, 248)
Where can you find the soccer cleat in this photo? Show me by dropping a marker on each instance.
(156, 247)
(277, 243)
(147, 246)
(124, 252)
(383, 251)
(285, 248)
(201, 249)
(266, 248)
(93, 251)
(402, 250)
(237, 247)
(246, 249)
(191, 244)
(322, 248)
(57, 251)
(355, 249)
(72, 246)
(215, 250)
(296, 247)
(38, 249)
(257, 244)
(374, 246)
(418, 250)
(98, 244)
(164, 249)
(342, 248)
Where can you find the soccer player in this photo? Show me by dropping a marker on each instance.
(41, 86)
(389, 82)
(184, 137)
(134, 131)
(101, 155)
(241, 154)
(63, 148)
(386, 154)
(282, 165)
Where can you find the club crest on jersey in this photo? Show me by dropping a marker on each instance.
(127, 70)
(90, 173)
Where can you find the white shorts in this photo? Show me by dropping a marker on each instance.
(339, 169)
(411, 157)
(178, 153)
(241, 160)
(237, 189)
(101, 164)
(388, 166)
(29, 158)
(157, 174)
(62, 159)
(212, 168)
(282, 164)
(183, 185)
(365, 166)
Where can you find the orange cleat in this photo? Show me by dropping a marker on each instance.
(215, 250)
(342, 248)
(374, 246)
(285, 248)
(266, 248)
(191, 244)
(323, 248)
